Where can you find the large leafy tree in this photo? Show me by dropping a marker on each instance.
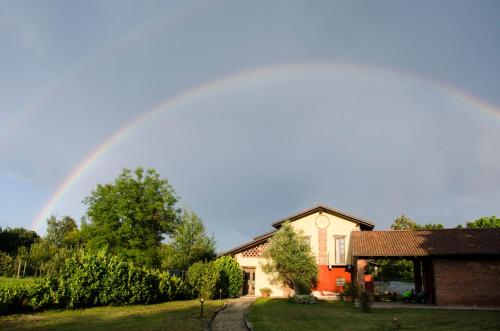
(405, 223)
(131, 216)
(63, 232)
(13, 238)
(484, 222)
(189, 243)
(290, 260)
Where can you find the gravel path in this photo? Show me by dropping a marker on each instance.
(231, 318)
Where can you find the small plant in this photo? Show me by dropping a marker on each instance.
(349, 292)
(265, 292)
(303, 299)
(365, 301)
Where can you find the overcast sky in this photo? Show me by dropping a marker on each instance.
(376, 108)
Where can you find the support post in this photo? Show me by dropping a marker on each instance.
(417, 272)
(360, 273)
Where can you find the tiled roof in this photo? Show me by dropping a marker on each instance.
(426, 242)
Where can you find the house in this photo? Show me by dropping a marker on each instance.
(327, 230)
(451, 266)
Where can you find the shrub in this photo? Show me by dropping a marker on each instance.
(350, 289)
(44, 293)
(14, 300)
(303, 299)
(230, 276)
(88, 280)
(203, 277)
(100, 279)
(365, 301)
(301, 287)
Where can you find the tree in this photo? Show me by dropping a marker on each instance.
(45, 258)
(388, 269)
(131, 216)
(290, 260)
(189, 244)
(430, 226)
(403, 223)
(484, 222)
(62, 233)
(13, 238)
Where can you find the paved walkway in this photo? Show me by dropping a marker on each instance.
(232, 318)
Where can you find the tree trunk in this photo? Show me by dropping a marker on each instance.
(24, 269)
(18, 267)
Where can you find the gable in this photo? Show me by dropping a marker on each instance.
(363, 223)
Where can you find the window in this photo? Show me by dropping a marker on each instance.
(340, 281)
(339, 250)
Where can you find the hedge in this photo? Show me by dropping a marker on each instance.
(88, 279)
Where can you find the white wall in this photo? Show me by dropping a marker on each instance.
(337, 227)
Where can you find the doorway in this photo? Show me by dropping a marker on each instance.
(249, 281)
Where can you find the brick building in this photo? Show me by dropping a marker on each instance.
(452, 266)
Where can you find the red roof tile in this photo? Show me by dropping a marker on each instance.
(426, 242)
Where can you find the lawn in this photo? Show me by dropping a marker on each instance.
(278, 314)
(14, 282)
(176, 315)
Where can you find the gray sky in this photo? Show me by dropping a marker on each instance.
(374, 108)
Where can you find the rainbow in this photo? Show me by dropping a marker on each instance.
(203, 89)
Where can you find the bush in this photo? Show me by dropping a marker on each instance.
(303, 298)
(350, 289)
(44, 293)
(365, 301)
(230, 276)
(88, 280)
(14, 300)
(301, 287)
(203, 277)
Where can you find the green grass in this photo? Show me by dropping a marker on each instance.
(176, 315)
(278, 314)
(14, 282)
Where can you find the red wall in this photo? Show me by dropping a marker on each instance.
(328, 278)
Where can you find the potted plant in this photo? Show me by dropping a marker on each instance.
(265, 292)
(349, 292)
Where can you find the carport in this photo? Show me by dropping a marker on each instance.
(452, 266)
